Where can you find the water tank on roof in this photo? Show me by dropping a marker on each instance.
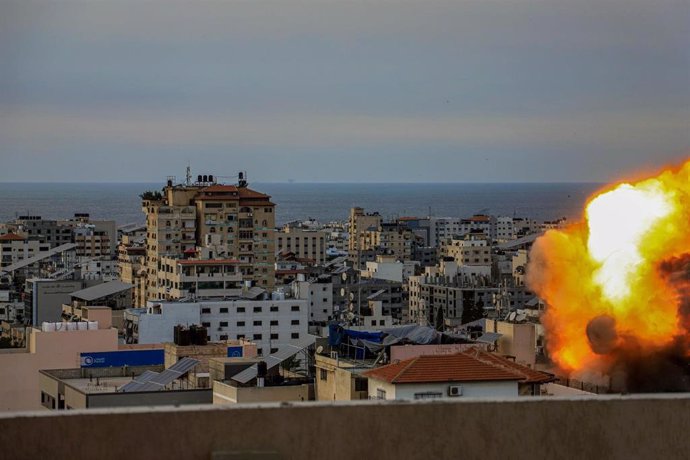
(199, 177)
(210, 178)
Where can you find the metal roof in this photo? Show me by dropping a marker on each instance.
(153, 381)
(101, 290)
(287, 351)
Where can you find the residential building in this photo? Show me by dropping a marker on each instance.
(15, 248)
(318, 293)
(358, 223)
(269, 323)
(471, 252)
(307, 244)
(470, 373)
(131, 265)
(231, 222)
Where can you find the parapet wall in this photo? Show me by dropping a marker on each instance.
(598, 427)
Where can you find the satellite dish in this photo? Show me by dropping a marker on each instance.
(512, 316)
(344, 276)
(350, 316)
(319, 349)
(342, 292)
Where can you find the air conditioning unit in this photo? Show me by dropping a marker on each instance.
(454, 391)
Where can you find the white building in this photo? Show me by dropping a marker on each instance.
(318, 294)
(104, 270)
(269, 323)
(442, 376)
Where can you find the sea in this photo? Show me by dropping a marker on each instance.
(324, 202)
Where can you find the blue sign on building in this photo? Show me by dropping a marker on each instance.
(123, 358)
(235, 352)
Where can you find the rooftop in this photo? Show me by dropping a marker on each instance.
(459, 367)
(11, 237)
(101, 290)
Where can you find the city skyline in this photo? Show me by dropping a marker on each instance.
(345, 92)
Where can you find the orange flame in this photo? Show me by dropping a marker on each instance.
(611, 265)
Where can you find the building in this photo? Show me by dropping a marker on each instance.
(100, 270)
(471, 252)
(268, 323)
(44, 298)
(308, 244)
(318, 293)
(232, 222)
(199, 278)
(389, 238)
(389, 293)
(358, 223)
(441, 376)
(470, 373)
(63, 389)
(15, 248)
(47, 349)
(131, 267)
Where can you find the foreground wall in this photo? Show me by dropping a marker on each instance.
(601, 427)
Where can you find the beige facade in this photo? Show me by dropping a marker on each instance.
(180, 278)
(472, 249)
(305, 244)
(227, 221)
(358, 223)
(15, 248)
(338, 380)
(224, 393)
(19, 376)
(132, 269)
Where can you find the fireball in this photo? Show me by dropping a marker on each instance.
(606, 281)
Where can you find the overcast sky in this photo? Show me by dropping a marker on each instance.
(381, 91)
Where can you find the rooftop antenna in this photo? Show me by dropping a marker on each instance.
(188, 177)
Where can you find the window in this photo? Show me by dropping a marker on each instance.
(224, 337)
(257, 309)
(294, 322)
(323, 374)
(428, 395)
(274, 350)
(361, 384)
(240, 309)
(295, 308)
(380, 394)
(205, 310)
(240, 324)
(240, 336)
(206, 324)
(257, 323)
(274, 308)
(295, 335)
(274, 336)
(224, 310)
(223, 324)
(257, 337)
(274, 322)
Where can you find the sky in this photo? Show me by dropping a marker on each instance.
(343, 91)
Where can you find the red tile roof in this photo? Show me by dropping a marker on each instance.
(11, 237)
(457, 367)
(528, 375)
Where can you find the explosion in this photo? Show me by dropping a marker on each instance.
(616, 286)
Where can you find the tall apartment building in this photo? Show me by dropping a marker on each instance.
(392, 238)
(303, 243)
(358, 223)
(229, 222)
(471, 252)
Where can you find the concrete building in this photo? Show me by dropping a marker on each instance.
(44, 298)
(318, 294)
(19, 368)
(389, 268)
(389, 293)
(268, 323)
(99, 270)
(306, 244)
(63, 389)
(15, 248)
(471, 252)
(131, 266)
(231, 221)
(390, 238)
(199, 278)
(358, 223)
